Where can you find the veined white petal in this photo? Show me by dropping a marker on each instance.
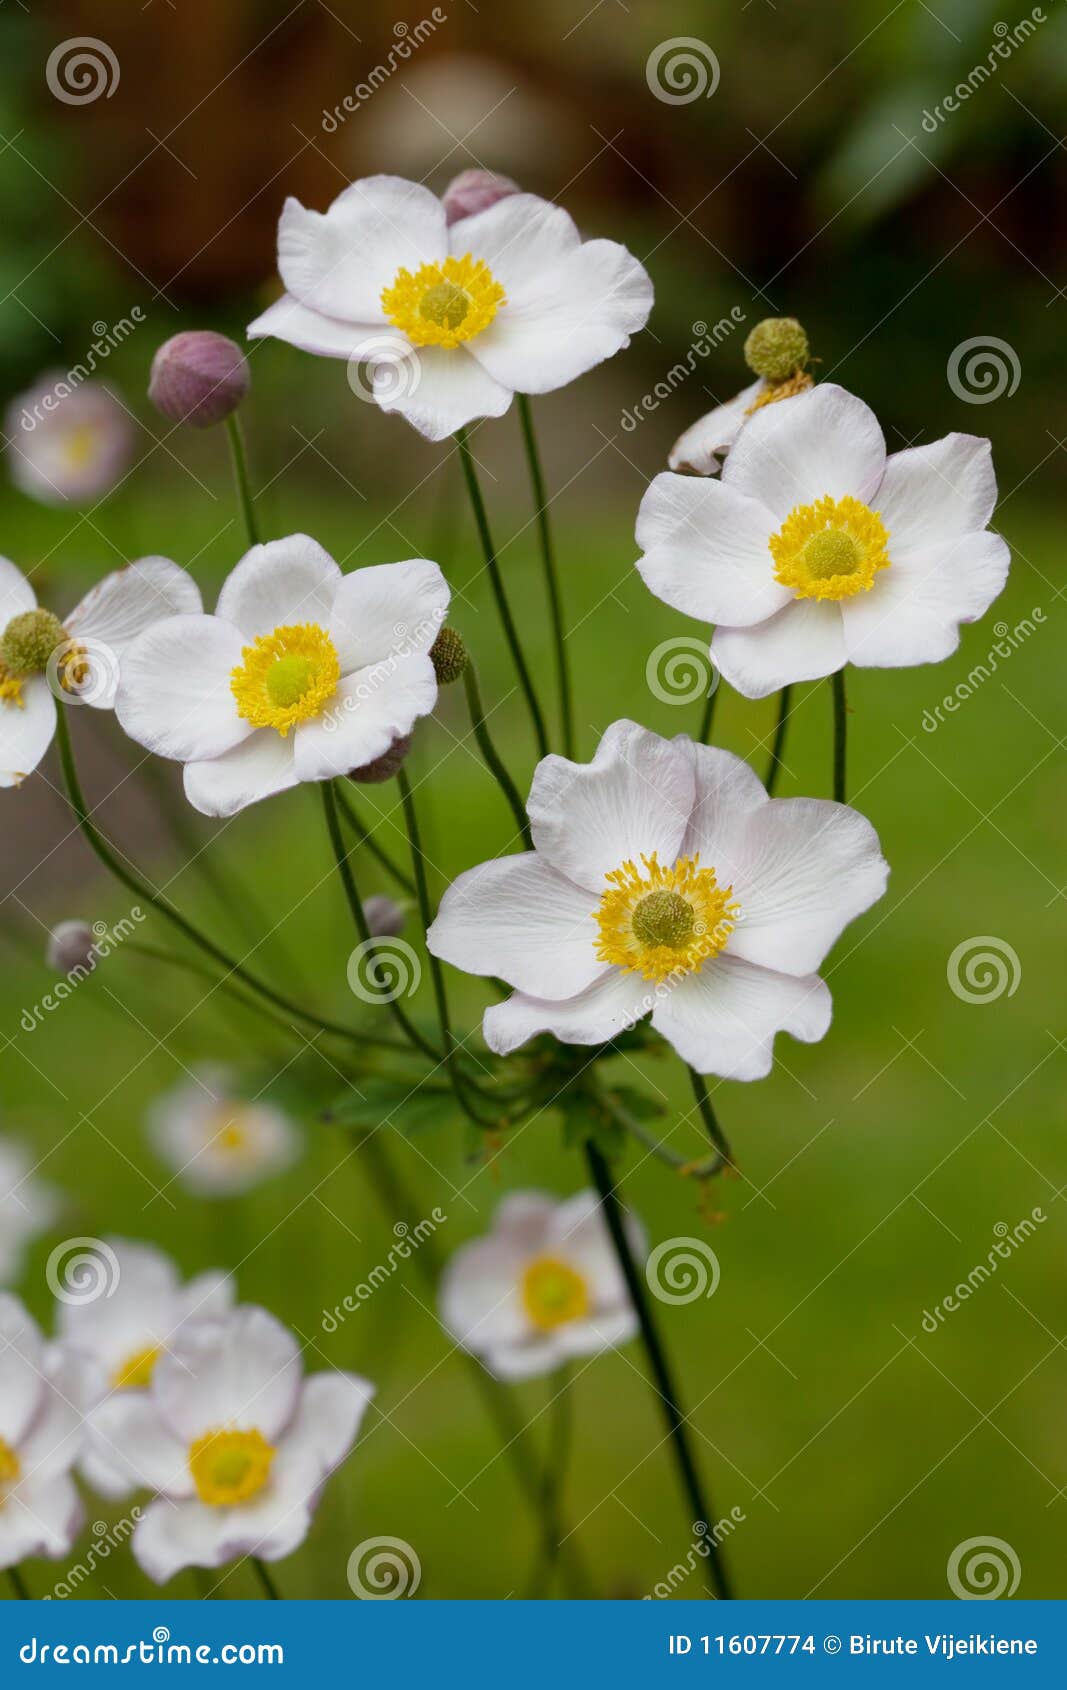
(339, 261)
(280, 584)
(707, 551)
(803, 642)
(523, 240)
(388, 610)
(174, 693)
(936, 493)
(913, 612)
(123, 605)
(438, 389)
(26, 730)
(16, 594)
(261, 766)
(825, 441)
(312, 331)
(519, 918)
(615, 1002)
(723, 1018)
(372, 708)
(702, 446)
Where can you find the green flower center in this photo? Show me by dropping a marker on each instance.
(445, 304)
(288, 679)
(663, 918)
(831, 552)
(29, 640)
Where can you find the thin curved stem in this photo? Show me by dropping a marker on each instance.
(355, 904)
(699, 1501)
(511, 633)
(837, 681)
(489, 752)
(135, 883)
(774, 767)
(705, 1168)
(709, 1118)
(18, 1584)
(240, 476)
(554, 1472)
(552, 586)
(708, 715)
(366, 837)
(269, 1587)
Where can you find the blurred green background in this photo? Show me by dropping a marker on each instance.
(876, 1166)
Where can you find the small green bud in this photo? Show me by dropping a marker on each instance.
(448, 655)
(776, 347)
(29, 640)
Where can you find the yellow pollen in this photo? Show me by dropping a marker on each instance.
(443, 304)
(10, 1469)
(10, 689)
(136, 1371)
(80, 445)
(286, 677)
(552, 1293)
(798, 382)
(232, 1132)
(831, 549)
(229, 1466)
(663, 921)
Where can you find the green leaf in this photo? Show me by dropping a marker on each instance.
(586, 1121)
(406, 1104)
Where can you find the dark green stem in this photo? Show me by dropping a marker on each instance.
(511, 633)
(837, 681)
(269, 1587)
(240, 476)
(489, 752)
(690, 1169)
(709, 1118)
(554, 1474)
(774, 767)
(552, 586)
(18, 1584)
(676, 1425)
(366, 837)
(708, 716)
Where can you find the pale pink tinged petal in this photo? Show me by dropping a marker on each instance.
(803, 642)
(243, 1370)
(707, 552)
(259, 768)
(527, 1359)
(21, 1370)
(174, 694)
(808, 867)
(913, 612)
(825, 441)
(126, 1432)
(438, 390)
(16, 594)
(522, 239)
(207, 1295)
(40, 1517)
(706, 441)
(54, 1441)
(173, 1535)
(339, 261)
(312, 331)
(932, 494)
(633, 799)
(579, 1233)
(480, 1299)
(26, 730)
(524, 1217)
(371, 708)
(723, 1019)
(388, 610)
(328, 1418)
(280, 584)
(518, 918)
(612, 1004)
(604, 1329)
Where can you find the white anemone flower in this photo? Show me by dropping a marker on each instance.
(453, 319)
(664, 881)
(542, 1287)
(41, 1512)
(216, 1143)
(301, 674)
(705, 443)
(27, 1206)
(68, 444)
(234, 1441)
(42, 658)
(119, 1336)
(813, 549)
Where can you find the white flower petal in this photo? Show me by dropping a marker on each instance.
(16, 594)
(372, 708)
(527, 1359)
(523, 240)
(604, 1329)
(280, 584)
(40, 1517)
(518, 918)
(438, 389)
(633, 799)
(26, 730)
(930, 494)
(328, 1417)
(258, 768)
(388, 610)
(242, 1371)
(706, 441)
(706, 551)
(584, 310)
(124, 604)
(171, 1536)
(913, 611)
(311, 331)
(53, 1442)
(803, 642)
(727, 793)
(579, 1233)
(127, 1434)
(807, 868)
(174, 692)
(612, 1004)
(21, 1370)
(524, 1218)
(339, 261)
(479, 1296)
(723, 1019)
(825, 441)
(207, 1295)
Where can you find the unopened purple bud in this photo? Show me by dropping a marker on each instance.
(198, 378)
(385, 766)
(475, 190)
(71, 945)
(384, 917)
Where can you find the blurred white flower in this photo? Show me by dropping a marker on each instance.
(40, 1440)
(27, 1207)
(234, 1441)
(509, 300)
(67, 444)
(216, 1143)
(119, 1338)
(541, 1287)
(302, 673)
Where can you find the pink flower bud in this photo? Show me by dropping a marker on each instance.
(71, 945)
(384, 767)
(385, 918)
(475, 190)
(198, 378)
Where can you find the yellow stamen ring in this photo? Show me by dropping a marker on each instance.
(229, 1466)
(137, 1370)
(443, 304)
(10, 1469)
(664, 921)
(831, 549)
(286, 677)
(553, 1293)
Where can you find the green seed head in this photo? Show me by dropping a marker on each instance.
(288, 680)
(776, 347)
(29, 640)
(830, 553)
(663, 918)
(448, 655)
